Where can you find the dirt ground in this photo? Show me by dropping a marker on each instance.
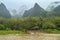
(31, 36)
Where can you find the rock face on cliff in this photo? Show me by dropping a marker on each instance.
(4, 12)
(35, 11)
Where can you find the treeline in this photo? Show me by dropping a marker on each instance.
(31, 23)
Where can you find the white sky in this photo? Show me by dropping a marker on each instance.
(15, 4)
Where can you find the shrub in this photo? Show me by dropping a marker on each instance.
(57, 22)
(2, 20)
(51, 31)
(2, 27)
(49, 25)
(10, 24)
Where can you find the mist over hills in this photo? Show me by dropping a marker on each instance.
(36, 11)
(52, 5)
(54, 9)
(19, 12)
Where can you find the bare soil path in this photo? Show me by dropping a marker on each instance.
(32, 36)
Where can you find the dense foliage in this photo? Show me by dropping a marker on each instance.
(30, 23)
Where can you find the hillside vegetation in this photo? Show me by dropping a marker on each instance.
(50, 25)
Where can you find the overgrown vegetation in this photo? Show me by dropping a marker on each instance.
(51, 24)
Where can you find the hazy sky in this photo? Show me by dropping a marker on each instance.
(16, 4)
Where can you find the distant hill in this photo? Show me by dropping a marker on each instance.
(35, 11)
(53, 5)
(57, 11)
(54, 9)
(4, 12)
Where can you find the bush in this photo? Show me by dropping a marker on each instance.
(11, 24)
(51, 31)
(57, 22)
(2, 27)
(49, 25)
(2, 20)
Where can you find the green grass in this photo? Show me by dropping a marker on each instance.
(52, 31)
(5, 32)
